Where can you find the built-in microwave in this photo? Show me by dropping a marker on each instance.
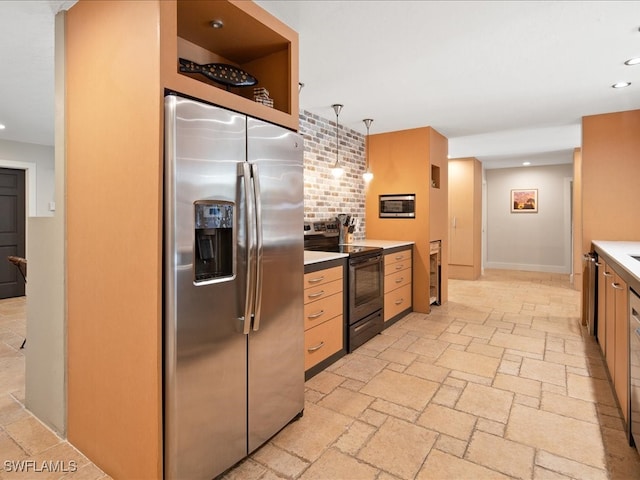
(398, 206)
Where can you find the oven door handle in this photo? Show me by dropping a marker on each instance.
(356, 262)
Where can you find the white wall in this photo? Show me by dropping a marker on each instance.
(45, 378)
(529, 241)
(38, 161)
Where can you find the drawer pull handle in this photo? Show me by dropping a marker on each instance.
(599, 264)
(607, 274)
(399, 267)
(315, 315)
(399, 257)
(400, 280)
(616, 286)
(398, 302)
(315, 348)
(316, 280)
(316, 295)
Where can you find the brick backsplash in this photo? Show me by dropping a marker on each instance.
(325, 196)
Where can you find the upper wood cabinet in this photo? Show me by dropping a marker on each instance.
(250, 39)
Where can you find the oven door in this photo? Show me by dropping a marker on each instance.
(366, 288)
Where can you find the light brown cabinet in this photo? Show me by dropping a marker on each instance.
(269, 54)
(323, 317)
(397, 285)
(603, 275)
(613, 331)
(621, 354)
(465, 218)
(120, 59)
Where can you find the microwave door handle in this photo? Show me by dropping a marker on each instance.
(260, 248)
(244, 171)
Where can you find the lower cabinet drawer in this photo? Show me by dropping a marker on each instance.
(397, 280)
(322, 341)
(397, 301)
(322, 310)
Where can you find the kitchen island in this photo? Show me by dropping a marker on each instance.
(616, 291)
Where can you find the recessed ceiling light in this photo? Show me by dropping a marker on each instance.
(621, 84)
(633, 61)
(526, 164)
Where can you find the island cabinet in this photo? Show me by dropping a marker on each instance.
(613, 326)
(324, 315)
(397, 284)
(621, 355)
(121, 58)
(604, 273)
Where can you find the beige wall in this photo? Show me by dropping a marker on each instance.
(45, 355)
(610, 169)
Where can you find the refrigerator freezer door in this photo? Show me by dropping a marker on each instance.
(205, 350)
(276, 345)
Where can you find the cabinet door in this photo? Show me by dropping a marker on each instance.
(609, 320)
(601, 314)
(461, 211)
(621, 374)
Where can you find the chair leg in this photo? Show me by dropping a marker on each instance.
(22, 346)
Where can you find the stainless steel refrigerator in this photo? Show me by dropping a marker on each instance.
(233, 279)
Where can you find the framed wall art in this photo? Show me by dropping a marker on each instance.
(524, 200)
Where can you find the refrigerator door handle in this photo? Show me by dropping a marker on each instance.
(244, 171)
(260, 249)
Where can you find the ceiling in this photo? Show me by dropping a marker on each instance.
(505, 81)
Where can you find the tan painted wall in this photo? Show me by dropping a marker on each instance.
(401, 163)
(610, 169)
(114, 136)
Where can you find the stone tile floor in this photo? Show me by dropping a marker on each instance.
(500, 382)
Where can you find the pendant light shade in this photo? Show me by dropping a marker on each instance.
(337, 170)
(367, 175)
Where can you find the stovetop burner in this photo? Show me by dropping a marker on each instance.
(323, 237)
(351, 250)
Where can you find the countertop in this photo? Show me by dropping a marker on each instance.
(316, 257)
(620, 252)
(369, 242)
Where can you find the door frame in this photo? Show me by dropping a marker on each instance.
(30, 176)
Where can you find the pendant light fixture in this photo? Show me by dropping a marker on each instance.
(367, 175)
(337, 170)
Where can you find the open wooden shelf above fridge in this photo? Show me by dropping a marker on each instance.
(251, 39)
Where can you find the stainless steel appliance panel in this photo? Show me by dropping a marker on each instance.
(205, 350)
(276, 344)
(634, 366)
(366, 286)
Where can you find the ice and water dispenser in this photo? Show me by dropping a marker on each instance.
(214, 240)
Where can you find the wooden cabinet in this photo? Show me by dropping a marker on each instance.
(601, 334)
(621, 354)
(251, 39)
(406, 162)
(120, 58)
(324, 336)
(465, 218)
(613, 331)
(397, 285)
